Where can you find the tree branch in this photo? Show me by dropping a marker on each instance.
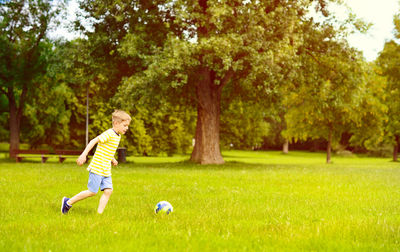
(3, 91)
(228, 76)
(312, 56)
(322, 64)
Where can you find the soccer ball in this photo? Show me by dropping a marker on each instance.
(163, 207)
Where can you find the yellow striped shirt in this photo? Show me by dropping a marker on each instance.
(101, 162)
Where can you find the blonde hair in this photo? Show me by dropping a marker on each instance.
(120, 116)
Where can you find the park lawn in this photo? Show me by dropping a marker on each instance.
(257, 201)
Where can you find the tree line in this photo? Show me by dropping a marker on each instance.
(233, 74)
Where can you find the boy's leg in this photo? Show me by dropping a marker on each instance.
(93, 186)
(80, 196)
(106, 186)
(67, 203)
(104, 199)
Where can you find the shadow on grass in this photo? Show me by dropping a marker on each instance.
(77, 210)
(82, 211)
(189, 165)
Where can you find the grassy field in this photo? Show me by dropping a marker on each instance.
(257, 201)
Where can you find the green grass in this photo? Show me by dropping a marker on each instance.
(257, 201)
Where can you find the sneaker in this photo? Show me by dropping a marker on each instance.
(64, 206)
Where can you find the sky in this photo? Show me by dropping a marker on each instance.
(378, 12)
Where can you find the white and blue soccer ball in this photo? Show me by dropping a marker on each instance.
(163, 207)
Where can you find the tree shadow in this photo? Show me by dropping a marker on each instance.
(189, 165)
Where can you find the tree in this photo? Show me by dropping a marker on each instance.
(388, 61)
(79, 74)
(372, 112)
(216, 44)
(23, 28)
(326, 91)
(100, 60)
(46, 119)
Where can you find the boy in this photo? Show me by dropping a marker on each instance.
(100, 166)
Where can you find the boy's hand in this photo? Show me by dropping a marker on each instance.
(114, 162)
(81, 160)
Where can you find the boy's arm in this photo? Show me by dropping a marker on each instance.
(82, 158)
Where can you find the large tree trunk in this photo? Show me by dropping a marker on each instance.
(206, 149)
(15, 117)
(14, 125)
(329, 147)
(396, 149)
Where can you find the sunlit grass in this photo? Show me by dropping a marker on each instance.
(257, 201)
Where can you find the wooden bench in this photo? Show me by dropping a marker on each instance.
(62, 154)
(20, 154)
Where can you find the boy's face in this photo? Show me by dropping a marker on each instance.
(121, 127)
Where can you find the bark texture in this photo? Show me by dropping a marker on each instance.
(15, 118)
(206, 149)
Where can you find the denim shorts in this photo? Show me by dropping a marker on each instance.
(97, 181)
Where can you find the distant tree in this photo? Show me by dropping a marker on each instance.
(23, 29)
(327, 89)
(48, 110)
(371, 115)
(78, 68)
(100, 60)
(388, 60)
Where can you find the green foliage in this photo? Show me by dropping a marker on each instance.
(24, 58)
(137, 140)
(162, 130)
(250, 49)
(322, 99)
(76, 71)
(371, 113)
(45, 118)
(23, 26)
(4, 133)
(100, 119)
(388, 61)
(120, 37)
(243, 126)
(170, 130)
